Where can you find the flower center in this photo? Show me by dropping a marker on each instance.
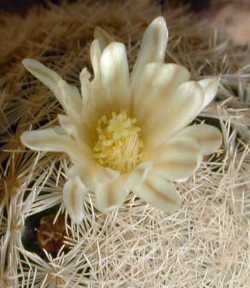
(119, 144)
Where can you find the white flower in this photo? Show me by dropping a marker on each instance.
(127, 132)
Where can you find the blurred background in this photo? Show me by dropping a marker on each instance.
(23, 5)
(231, 17)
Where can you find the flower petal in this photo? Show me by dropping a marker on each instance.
(176, 160)
(65, 93)
(98, 100)
(153, 46)
(85, 86)
(55, 140)
(210, 87)
(70, 98)
(68, 125)
(81, 131)
(104, 37)
(47, 76)
(208, 137)
(157, 84)
(139, 174)
(91, 174)
(158, 192)
(115, 75)
(51, 139)
(111, 194)
(95, 56)
(180, 110)
(74, 193)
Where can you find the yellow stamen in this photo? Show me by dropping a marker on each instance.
(119, 144)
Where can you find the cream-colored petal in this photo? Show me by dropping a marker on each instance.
(208, 137)
(115, 75)
(104, 37)
(139, 174)
(56, 140)
(178, 112)
(92, 103)
(210, 87)
(85, 86)
(157, 84)
(95, 56)
(70, 98)
(79, 130)
(111, 194)
(65, 93)
(153, 46)
(99, 175)
(51, 139)
(87, 171)
(47, 76)
(158, 192)
(112, 188)
(74, 193)
(98, 100)
(177, 159)
(68, 125)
